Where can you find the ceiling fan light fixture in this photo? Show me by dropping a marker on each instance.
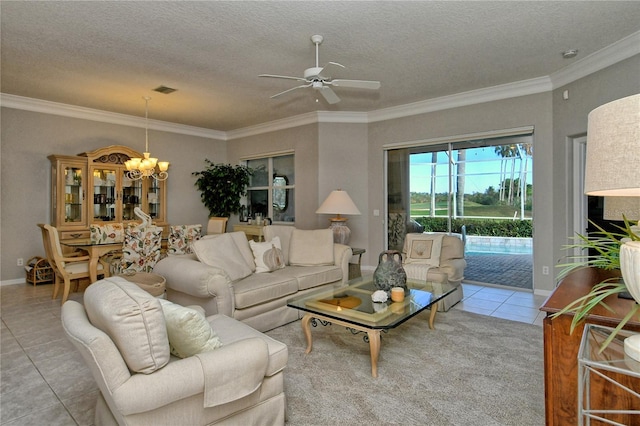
(320, 78)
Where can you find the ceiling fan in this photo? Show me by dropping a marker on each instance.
(320, 78)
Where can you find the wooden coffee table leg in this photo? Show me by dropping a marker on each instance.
(374, 348)
(432, 316)
(306, 329)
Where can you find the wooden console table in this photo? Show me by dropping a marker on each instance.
(561, 352)
(254, 232)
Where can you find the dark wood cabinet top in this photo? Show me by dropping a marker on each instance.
(577, 284)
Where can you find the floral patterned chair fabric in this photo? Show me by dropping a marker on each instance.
(181, 237)
(107, 233)
(141, 249)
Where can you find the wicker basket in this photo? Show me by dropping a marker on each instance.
(39, 271)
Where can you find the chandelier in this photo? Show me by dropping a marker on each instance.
(143, 168)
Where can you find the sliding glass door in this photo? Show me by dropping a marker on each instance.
(481, 185)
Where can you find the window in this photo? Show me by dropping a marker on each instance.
(271, 191)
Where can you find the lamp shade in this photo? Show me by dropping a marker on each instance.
(613, 149)
(618, 208)
(338, 202)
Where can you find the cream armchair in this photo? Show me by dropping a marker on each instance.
(127, 338)
(436, 257)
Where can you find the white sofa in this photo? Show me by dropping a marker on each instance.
(221, 274)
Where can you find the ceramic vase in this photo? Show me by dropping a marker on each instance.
(389, 272)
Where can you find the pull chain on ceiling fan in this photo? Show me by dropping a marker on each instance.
(320, 78)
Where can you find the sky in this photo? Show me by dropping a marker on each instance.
(482, 170)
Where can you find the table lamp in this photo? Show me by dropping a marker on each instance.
(339, 202)
(613, 170)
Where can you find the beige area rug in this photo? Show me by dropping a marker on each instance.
(471, 370)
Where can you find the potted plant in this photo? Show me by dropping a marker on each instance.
(221, 186)
(606, 248)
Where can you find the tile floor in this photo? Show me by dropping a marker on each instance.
(43, 380)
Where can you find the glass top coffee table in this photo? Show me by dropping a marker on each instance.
(351, 306)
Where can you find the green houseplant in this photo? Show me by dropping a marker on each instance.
(606, 248)
(221, 186)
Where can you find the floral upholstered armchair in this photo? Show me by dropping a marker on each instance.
(141, 249)
(107, 233)
(181, 237)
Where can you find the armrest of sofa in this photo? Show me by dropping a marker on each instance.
(342, 255)
(190, 276)
(186, 377)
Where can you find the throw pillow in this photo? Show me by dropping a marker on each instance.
(221, 252)
(311, 248)
(268, 255)
(189, 331)
(423, 248)
(133, 319)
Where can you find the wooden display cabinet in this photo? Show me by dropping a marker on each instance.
(93, 188)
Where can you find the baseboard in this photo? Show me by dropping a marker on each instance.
(13, 282)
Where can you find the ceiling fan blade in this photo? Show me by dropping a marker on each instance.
(329, 95)
(282, 76)
(329, 69)
(358, 84)
(290, 90)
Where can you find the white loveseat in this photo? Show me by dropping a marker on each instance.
(221, 274)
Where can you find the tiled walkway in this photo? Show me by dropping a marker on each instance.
(512, 270)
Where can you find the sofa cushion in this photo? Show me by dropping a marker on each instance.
(311, 247)
(267, 255)
(188, 330)
(240, 238)
(423, 248)
(222, 252)
(284, 233)
(312, 276)
(133, 319)
(261, 288)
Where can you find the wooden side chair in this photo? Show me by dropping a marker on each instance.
(65, 266)
(217, 225)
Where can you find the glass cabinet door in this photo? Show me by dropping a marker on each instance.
(154, 200)
(131, 197)
(73, 194)
(105, 195)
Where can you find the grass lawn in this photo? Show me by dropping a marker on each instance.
(470, 209)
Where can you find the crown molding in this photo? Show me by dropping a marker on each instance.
(487, 94)
(66, 110)
(603, 58)
(272, 126)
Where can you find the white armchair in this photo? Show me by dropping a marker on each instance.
(124, 339)
(436, 257)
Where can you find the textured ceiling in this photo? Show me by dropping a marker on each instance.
(108, 55)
